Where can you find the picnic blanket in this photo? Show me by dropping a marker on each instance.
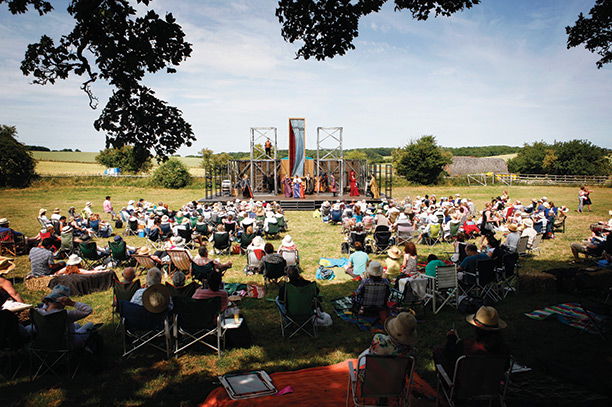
(571, 314)
(328, 266)
(342, 307)
(83, 284)
(331, 262)
(317, 386)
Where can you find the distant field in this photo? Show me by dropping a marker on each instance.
(88, 157)
(89, 168)
(504, 156)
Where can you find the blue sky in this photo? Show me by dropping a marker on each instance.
(499, 73)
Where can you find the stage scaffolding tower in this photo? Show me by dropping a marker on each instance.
(259, 136)
(329, 150)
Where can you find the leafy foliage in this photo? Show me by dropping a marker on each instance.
(482, 151)
(129, 159)
(110, 42)
(355, 155)
(595, 32)
(16, 162)
(211, 161)
(574, 157)
(171, 174)
(37, 148)
(328, 27)
(422, 161)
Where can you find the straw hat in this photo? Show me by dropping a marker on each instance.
(42, 211)
(394, 252)
(287, 241)
(177, 241)
(402, 328)
(375, 269)
(528, 222)
(56, 210)
(156, 298)
(512, 227)
(486, 318)
(258, 243)
(4, 221)
(88, 204)
(143, 251)
(73, 260)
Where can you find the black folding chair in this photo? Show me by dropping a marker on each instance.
(272, 272)
(140, 328)
(195, 321)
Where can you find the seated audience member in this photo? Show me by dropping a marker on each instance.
(296, 280)
(220, 239)
(8, 292)
(594, 246)
(410, 258)
(73, 266)
(529, 231)
(154, 276)
(202, 259)
(57, 301)
(459, 246)
(288, 250)
(129, 249)
(432, 263)
(473, 256)
(398, 340)
(128, 274)
(41, 260)
(492, 246)
(393, 263)
(373, 299)
(381, 219)
(18, 237)
(487, 341)
(271, 256)
(511, 243)
(178, 288)
(214, 289)
(358, 262)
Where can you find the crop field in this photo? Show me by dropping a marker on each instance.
(186, 380)
(89, 157)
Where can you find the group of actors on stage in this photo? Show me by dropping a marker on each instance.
(299, 187)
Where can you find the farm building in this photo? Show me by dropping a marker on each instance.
(476, 165)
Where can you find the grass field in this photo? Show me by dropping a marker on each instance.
(550, 348)
(91, 168)
(86, 157)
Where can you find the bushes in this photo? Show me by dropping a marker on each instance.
(17, 166)
(129, 159)
(422, 161)
(171, 174)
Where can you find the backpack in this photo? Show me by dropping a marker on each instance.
(469, 304)
(118, 224)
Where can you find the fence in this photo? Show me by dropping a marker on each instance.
(536, 179)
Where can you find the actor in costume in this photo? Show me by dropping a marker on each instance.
(353, 183)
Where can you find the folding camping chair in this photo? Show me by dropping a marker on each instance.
(66, 246)
(292, 257)
(144, 262)
(221, 243)
(8, 244)
(435, 234)
(272, 272)
(507, 277)
(521, 246)
(348, 246)
(282, 223)
(373, 299)
(299, 309)
(140, 328)
(131, 228)
(382, 377)
(559, 225)
(51, 344)
(119, 254)
(179, 260)
(482, 283)
(476, 377)
(90, 256)
(155, 239)
(186, 235)
(273, 230)
(122, 292)
(537, 240)
(185, 291)
(195, 321)
(382, 240)
(442, 289)
(404, 236)
(253, 261)
(201, 273)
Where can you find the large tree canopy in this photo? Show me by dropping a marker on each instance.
(327, 28)
(111, 42)
(595, 32)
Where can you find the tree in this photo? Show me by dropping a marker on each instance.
(580, 157)
(355, 155)
(327, 28)
(422, 161)
(110, 42)
(17, 166)
(129, 159)
(210, 160)
(171, 174)
(530, 159)
(594, 32)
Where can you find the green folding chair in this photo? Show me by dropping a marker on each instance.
(299, 310)
(119, 254)
(90, 256)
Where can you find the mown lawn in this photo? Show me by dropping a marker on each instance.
(150, 380)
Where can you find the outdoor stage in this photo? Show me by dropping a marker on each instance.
(309, 203)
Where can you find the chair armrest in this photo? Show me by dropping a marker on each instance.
(442, 373)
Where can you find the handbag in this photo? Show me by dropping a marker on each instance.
(236, 249)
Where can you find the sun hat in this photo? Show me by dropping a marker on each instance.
(131, 202)
(433, 218)
(42, 211)
(177, 241)
(258, 243)
(73, 260)
(88, 204)
(58, 291)
(528, 222)
(287, 241)
(165, 218)
(512, 227)
(4, 221)
(156, 298)
(65, 229)
(394, 252)
(486, 318)
(56, 210)
(402, 328)
(143, 251)
(375, 269)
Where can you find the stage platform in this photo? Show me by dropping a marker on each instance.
(309, 203)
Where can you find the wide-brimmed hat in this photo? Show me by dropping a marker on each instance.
(528, 222)
(402, 328)
(73, 260)
(165, 218)
(394, 252)
(42, 211)
(512, 227)
(258, 242)
(143, 251)
(4, 221)
(177, 241)
(287, 241)
(66, 229)
(375, 269)
(88, 204)
(57, 210)
(58, 291)
(486, 318)
(156, 298)
(131, 202)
